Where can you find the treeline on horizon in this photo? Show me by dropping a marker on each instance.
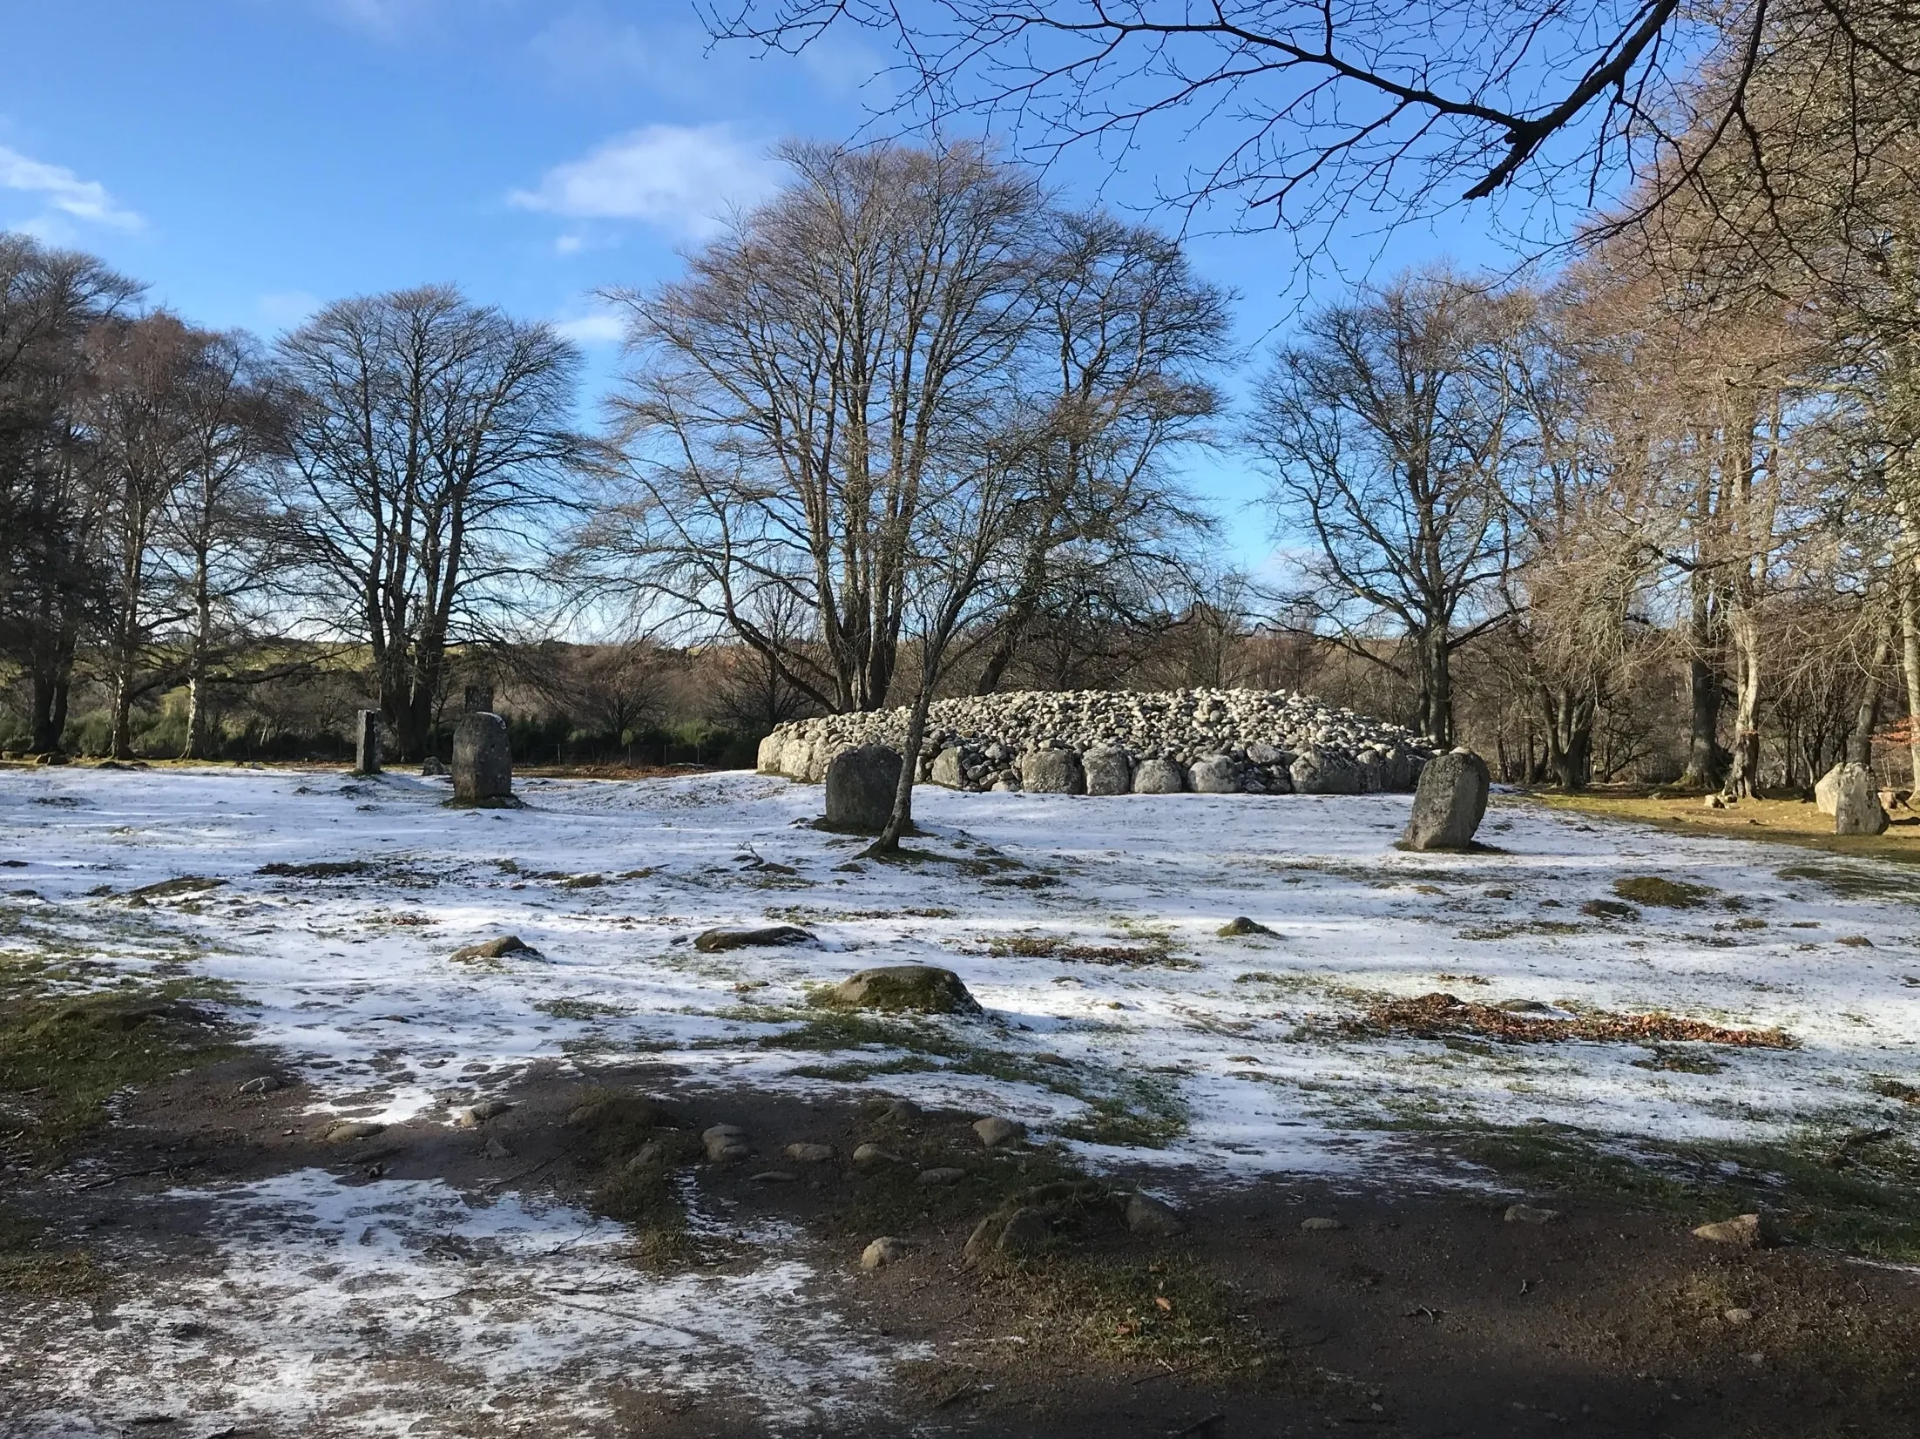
(913, 427)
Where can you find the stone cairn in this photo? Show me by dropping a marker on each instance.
(482, 762)
(366, 743)
(1107, 742)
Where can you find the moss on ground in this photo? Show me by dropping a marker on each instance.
(1660, 893)
(65, 1052)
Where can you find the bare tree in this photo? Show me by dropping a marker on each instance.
(1124, 333)
(51, 582)
(791, 395)
(429, 444)
(1308, 113)
(1390, 432)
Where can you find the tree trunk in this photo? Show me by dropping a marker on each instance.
(1569, 716)
(1743, 774)
(197, 662)
(1910, 656)
(901, 819)
(1867, 717)
(1436, 702)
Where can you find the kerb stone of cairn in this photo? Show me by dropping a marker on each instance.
(1450, 802)
(1052, 771)
(366, 742)
(861, 784)
(482, 762)
(1107, 770)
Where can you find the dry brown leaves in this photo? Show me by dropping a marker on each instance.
(1436, 1016)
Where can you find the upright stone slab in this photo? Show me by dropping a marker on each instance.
(1215, 774)
(1449, 803)
(947, 769)
(1107, 770)
(1052, 771)
(861, 783)
(366, 743)
(1826, 789)
(1856, 802)
(1159, 776)
(482, 763)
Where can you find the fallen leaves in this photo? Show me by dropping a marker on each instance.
(1439, 1015)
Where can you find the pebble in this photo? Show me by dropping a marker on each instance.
(1747, 1231)
(995, 1131)
(1149, 1216)
(1527, 1214)
(263, 1084)
(1320, 1224)
(351, 1129)
(874, 1154)
(883, 1251)
(477, 1114)
(1737, 1317)
(904, 1111)
(724, 1142)
(810, 1153)
(942, 1176)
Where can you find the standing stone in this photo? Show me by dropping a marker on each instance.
(1826, 789)
(1158, 776)
(1450, 802)
(366, 743)
(946, 768)
(1215, 774)
(1856, 802)
(767, 759)
(1052, 771)
(482, 763)
(1108, 771)
(860, 787)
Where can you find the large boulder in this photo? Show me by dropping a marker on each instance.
(1215, 774)
(1856, 802)
(767, 760)
(904, 989)
(1826, 789)
(1108, 771)
(947, 769)
(1052, 771)
(794, 755)
(1449, 803)
(482, 761)
(861, 784)
(1158, 776)
(1321, 771)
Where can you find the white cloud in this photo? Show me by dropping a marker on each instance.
(64, 193)
(683, 179)
(602, 327)
(287, 308)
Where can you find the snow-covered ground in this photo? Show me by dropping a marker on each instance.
(1225, 1049)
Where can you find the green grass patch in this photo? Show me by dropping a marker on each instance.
(1661, 893)
(32, 1265)
(64, 1053)
(1857, 1191)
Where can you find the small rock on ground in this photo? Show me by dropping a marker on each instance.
(942, 1176)
(1320, 1224)
(1528, 1214)
(351, 1129)
(874, 1154)
(715, 941)
(1149, 1216)
(883, 1251)
(478, 1114)
(995, 1131)
(1747, 1231)
(810, 1153)
(495, 948)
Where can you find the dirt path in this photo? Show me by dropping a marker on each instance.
(1424, 1312)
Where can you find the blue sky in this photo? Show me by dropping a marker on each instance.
(250, 159)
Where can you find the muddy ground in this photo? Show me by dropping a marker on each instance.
(1424, 1312)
